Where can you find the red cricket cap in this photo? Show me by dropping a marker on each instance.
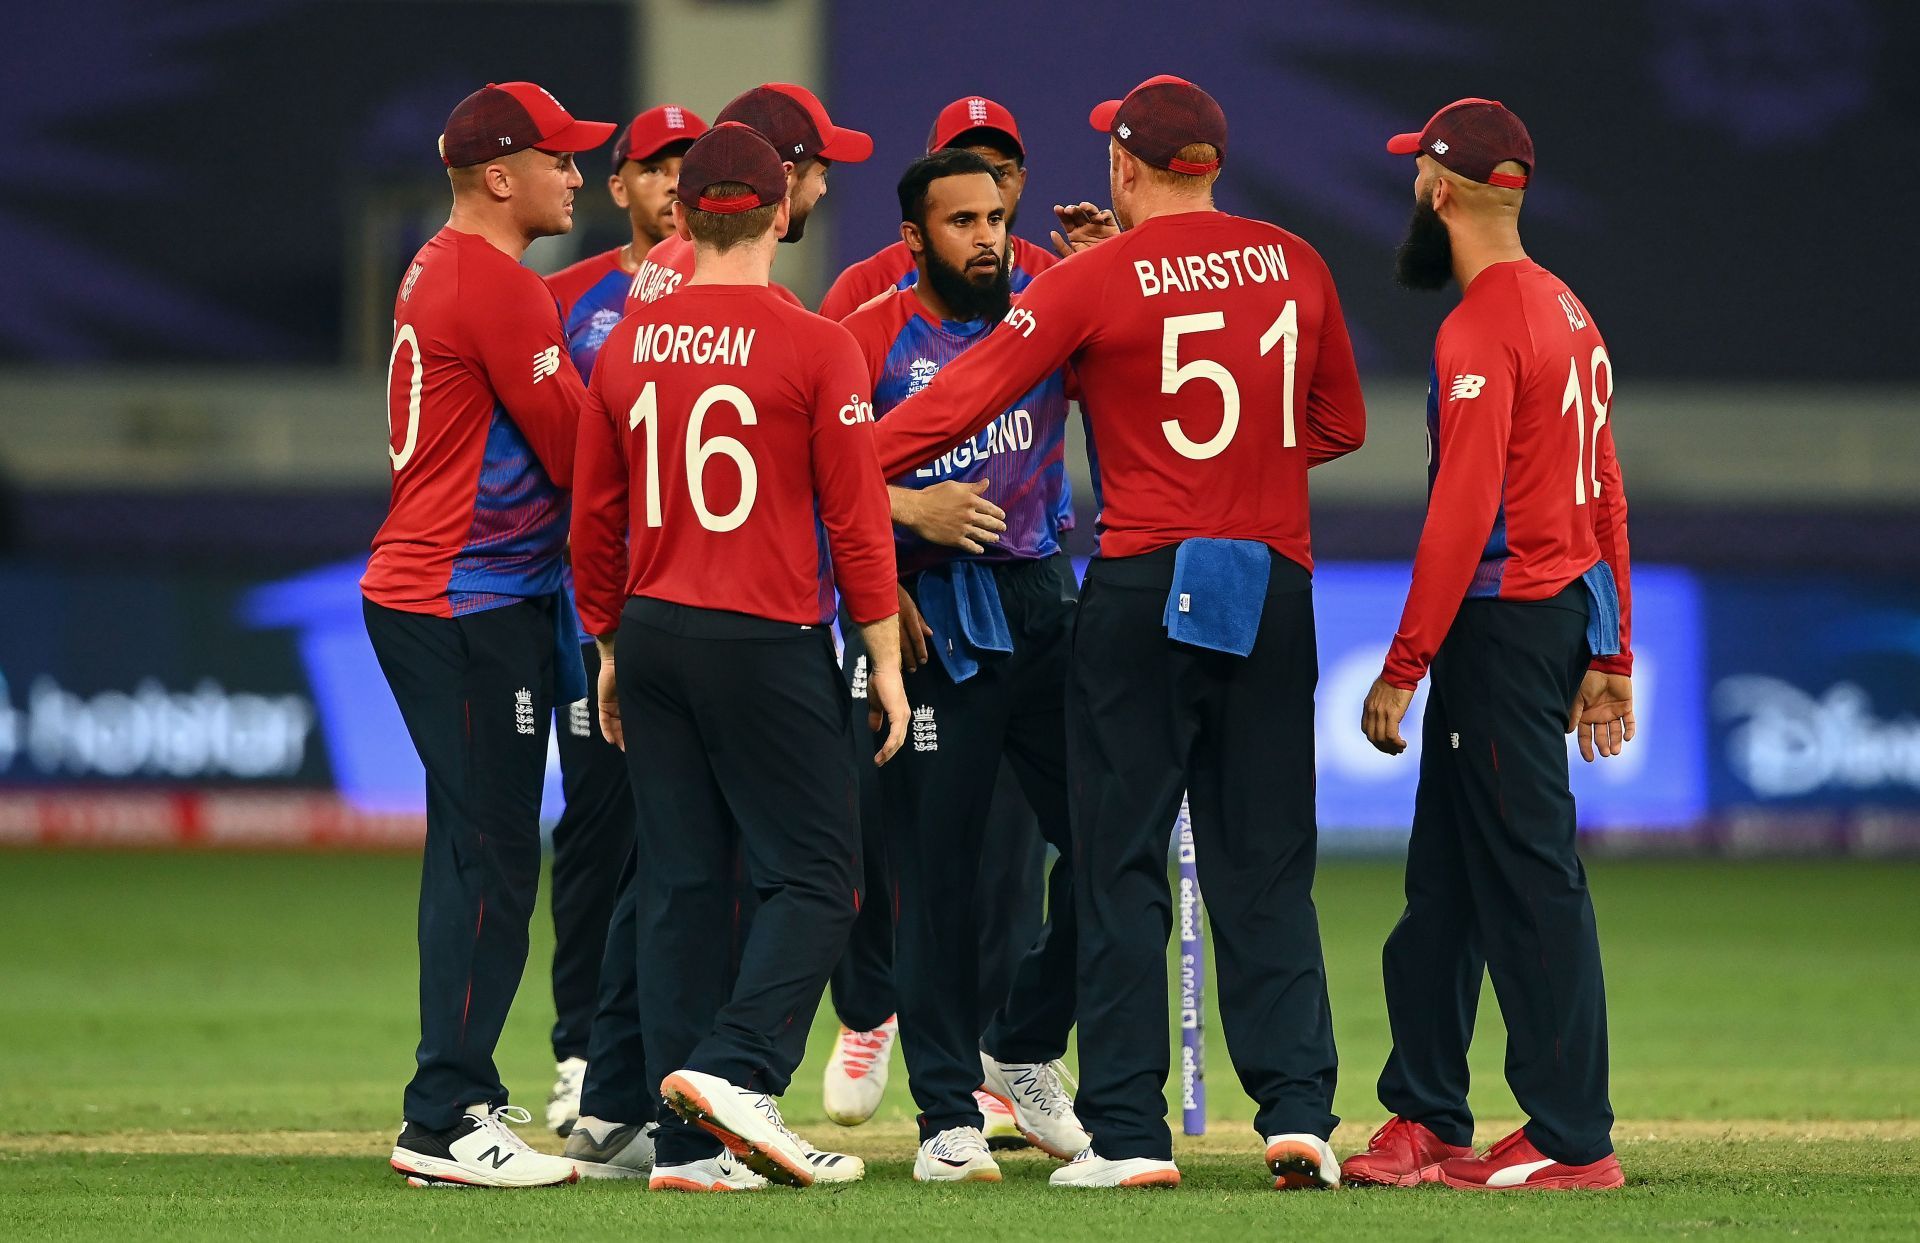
(973, 112)
(1162, 115)
(794, 120)
(731, 152)
(655, 130)
(1472, 137)
(504, 117)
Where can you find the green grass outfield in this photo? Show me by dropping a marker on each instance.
(196, 1045)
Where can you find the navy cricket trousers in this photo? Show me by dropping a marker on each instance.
(1494, 887)
(476, 693)
(1146, 719)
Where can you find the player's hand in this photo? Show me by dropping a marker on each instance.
(1380, 717)
(951, 514)
(914, 633)
(887, 703)
(1085, 225)
(1603, 713)
(609, 696)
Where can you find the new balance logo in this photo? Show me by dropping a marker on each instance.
(977, 111)
(1465, 387)
(545, 363)
(1440, 148)
(495, 1156)
(926, 732)
(1124, 132)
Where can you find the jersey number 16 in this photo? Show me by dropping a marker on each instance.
(646, 411)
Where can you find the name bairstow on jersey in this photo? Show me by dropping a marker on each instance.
(1219, 269)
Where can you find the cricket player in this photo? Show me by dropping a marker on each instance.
(987, 129)
(595, 833)
(727, 484)
(794, 120)
(1009, 899)
(618, 1100)
(1217, 369)
(464, 604)
(1000, 619)
(1521, 608)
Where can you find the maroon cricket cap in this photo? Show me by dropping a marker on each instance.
(504, 117)
(730, 152)
(973, 112)
(655, 130)
(793, 119)
(1162, 115)
(1472, 137)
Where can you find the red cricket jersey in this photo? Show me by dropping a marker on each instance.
(482, 402)
(893, 268)
(668, 264)
(1524, 489)
(726, 462)
(1215, 366)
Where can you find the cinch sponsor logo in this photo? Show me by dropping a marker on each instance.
(1021, 320)
(858, 410)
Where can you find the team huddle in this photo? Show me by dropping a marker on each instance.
(828, 687)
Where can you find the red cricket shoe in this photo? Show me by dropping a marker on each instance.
(1400, 1154)
(1515, 1164)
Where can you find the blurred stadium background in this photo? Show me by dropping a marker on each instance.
(209, 204)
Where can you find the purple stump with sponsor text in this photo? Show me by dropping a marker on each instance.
(1193, 984)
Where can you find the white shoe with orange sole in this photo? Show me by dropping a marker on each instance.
(1301, 1162)
(748, 1123)
(721, 1173)
(1089, 1170)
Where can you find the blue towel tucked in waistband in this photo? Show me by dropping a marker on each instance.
(1219, 591)
(569, 670)
(1603, 610)
(961, 602)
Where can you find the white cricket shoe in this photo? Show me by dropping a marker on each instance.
(997, 1123)
(1041, 1108)
(1088, 1170)
(1301, 1162)
(611, 1149)
(748, 1123)
(721, 1173)
(956, 1155)
(563, 1102)
(856, 1075)
(477, 1151)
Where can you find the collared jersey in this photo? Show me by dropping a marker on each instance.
(1215, 365)
(1021, 453)
(482, 402)
(1524, 488)
(726, 462)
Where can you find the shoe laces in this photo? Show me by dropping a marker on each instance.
(1039, 1083)
(496, 1122)
(771, 1112)
(1508, 1144)
(1392, 1129)
(959, 1143)
(859, 1051)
